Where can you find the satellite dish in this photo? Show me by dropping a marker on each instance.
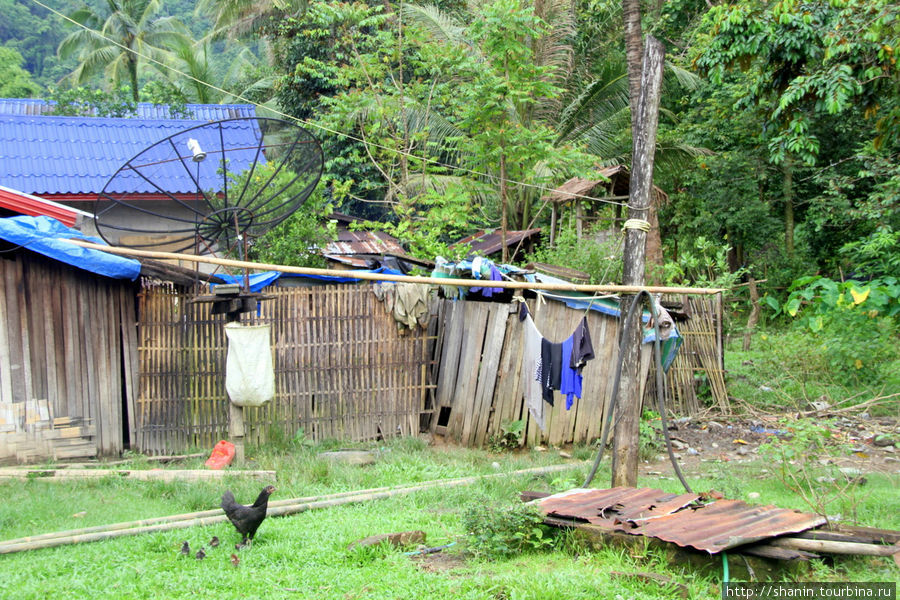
(210, 189)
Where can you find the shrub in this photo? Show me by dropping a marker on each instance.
(853, 324)
(497, 532)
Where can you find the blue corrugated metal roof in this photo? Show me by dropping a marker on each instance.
(78, 155)
(144, 110)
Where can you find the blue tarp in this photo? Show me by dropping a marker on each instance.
(258, 281)
(44, 234)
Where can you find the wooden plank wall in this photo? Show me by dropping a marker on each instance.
(479, 384)
(61, 334)
(343, 369)
(479, 381)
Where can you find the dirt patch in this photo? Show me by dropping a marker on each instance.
(439, 562)
(872, 444)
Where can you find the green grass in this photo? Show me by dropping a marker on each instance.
(308, 551)
(784, 371)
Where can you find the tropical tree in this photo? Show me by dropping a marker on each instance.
(119, 40)
(822, 80)
(199, 72)
(15, 82)
(236, 18)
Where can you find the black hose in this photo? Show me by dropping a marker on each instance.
(615, 391)
(659, 389)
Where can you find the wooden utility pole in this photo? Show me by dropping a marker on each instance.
(645, 118)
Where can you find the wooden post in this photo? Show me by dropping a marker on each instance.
(552, 222)
(645, 118)
(236, 431)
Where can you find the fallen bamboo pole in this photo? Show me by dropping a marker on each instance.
(112, 463)
(196, 515)
(516, 285)
(141, 474)
(833, 547)
(280, 508)
(182, 517)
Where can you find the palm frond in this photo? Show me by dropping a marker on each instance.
(599, 101)
(681, 77)
(78, 42)
(440, 25)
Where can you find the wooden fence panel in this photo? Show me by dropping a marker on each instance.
(480, 370)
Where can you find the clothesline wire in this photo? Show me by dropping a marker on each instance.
(431, 161)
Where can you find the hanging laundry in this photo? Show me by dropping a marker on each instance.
(571, 379)
(551, 369)
(555, 366)
(406, 302)
(444, 269)
(582, 349)
(484, 268)
(530, 357)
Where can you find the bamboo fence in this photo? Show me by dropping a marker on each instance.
(696, 379)
(343, 369)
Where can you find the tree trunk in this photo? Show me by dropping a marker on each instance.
(133, 80)
(626, 435)
(631, 15)
(787, 188)
(504, 215)
(754, 315)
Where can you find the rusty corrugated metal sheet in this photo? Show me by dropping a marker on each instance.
(683, 519)
(364, 242)
(489, 243)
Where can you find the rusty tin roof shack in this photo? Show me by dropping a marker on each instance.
(611, 188)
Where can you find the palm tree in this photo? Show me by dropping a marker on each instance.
(117, 41)
(235, 18)
(201, 75)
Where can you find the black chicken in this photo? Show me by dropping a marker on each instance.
(247, 519)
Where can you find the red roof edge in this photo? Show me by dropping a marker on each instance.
(33, 206)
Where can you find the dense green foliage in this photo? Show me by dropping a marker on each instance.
(779, 128)
(15, 82)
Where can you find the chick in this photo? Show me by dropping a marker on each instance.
(214, 541)
(201, 554)
(185, 548)
(235, 560)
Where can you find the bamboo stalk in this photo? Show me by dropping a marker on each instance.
(519, 285)
(279, 508)
(144, 475)
(833, 547)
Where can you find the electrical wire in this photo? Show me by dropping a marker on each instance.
(306, 123)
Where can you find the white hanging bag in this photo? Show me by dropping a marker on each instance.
(249, 373)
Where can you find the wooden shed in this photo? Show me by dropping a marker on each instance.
(67, 338)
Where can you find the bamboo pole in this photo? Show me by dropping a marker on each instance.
(834, 547)
(515, 285)
(279, 508)
(144, 475)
